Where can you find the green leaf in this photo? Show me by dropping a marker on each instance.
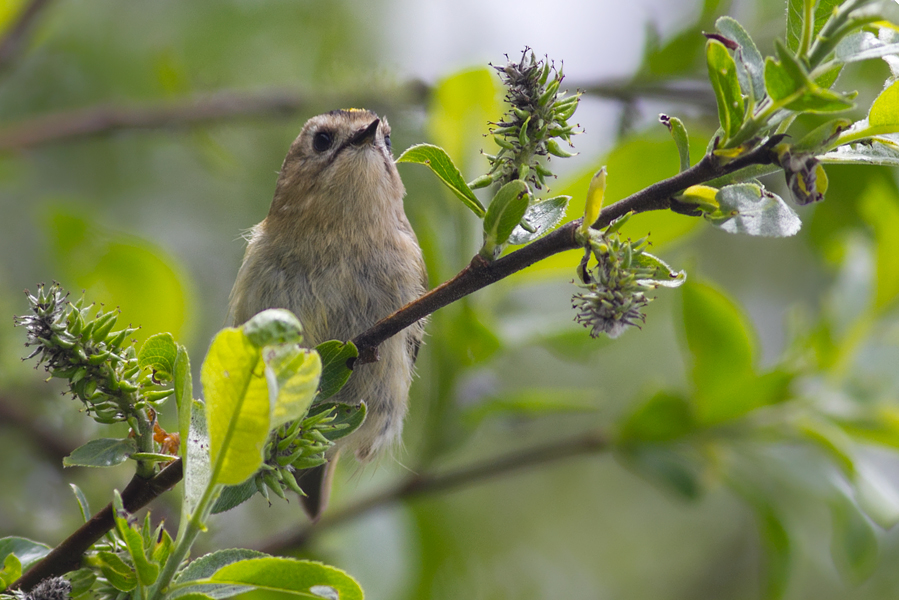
(116, 571)
(27, 551)
(825, 78)
(295, 372)
(822, 135)
(788, 83)
(273, 327)
(681, 140)
(530, 404)
(662, 275)
(146, 571)
(304, 579)
(159, 353)
(193, 594)
(779, 83)
(863, 45)
(235, 495)
(183, 396)
(347, 418)
(506, 210)
(854, 544)
(439, 161)
(749, 209)
(879, 207)
(206, 565)
(778, 552)
(885, 109)
(880, 151)
(237, 406)
(880, 426)
(750, 63)
(721, 344)
(152, 457)
(541, 217)
(161, 544)
(723, 75)
(665, 467)
(103, 452)
(796, 22)
(10, 571)
(335, 357)
(82, 581)
(83, 505)
(664, 417)
(835, 442)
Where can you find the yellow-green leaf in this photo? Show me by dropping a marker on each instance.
(723, 75)
(296, 371)
(505, 212)
(159, 353)
(439, 161)
(595, 195)
(880, 208)
(302, 578)
(237, 406)
(885, 109)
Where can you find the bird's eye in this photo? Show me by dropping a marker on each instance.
(321, 141)
(387, 142)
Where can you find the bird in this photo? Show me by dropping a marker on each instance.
(337, 249)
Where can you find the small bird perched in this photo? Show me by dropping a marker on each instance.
(337, 250)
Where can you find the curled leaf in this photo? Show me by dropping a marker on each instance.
(750, 209)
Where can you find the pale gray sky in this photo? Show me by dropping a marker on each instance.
(597, 38)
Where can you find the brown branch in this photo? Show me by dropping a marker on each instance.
(67, 555)
(105, 119)
(100, 120)
(16, 36)
(695, 92)
(481, 273)
(424, 484)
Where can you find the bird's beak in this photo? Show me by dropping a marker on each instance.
(366, 135)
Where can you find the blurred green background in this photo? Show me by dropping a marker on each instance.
(178, 115)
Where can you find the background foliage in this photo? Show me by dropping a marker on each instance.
(148, 219)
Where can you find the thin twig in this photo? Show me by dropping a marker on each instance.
(101, 120)
(17, 35)
(695, 92)
(67, 555)
(480, 273)
(425, 484)
(105, 119)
